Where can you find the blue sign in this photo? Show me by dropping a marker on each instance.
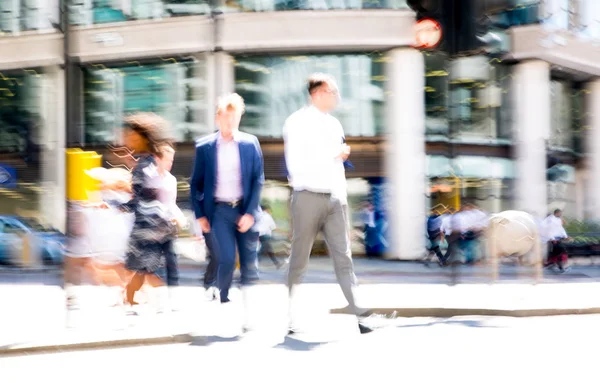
(8, 177)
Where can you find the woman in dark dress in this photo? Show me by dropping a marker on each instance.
(144, 134)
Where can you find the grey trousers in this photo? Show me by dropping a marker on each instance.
(313, 213)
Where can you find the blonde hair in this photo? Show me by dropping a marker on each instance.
(166, 148)
(231, 101)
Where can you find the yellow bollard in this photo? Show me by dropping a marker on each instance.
(81, 186)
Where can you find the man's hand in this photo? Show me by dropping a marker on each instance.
(245, 223)
(345, 152)
(204, 225)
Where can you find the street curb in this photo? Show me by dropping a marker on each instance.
(438, 312)
(171, 339)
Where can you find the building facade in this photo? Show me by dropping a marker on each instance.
(425, 130)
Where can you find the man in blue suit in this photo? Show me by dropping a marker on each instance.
(225, 190)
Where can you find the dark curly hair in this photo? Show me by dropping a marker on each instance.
(153, 128)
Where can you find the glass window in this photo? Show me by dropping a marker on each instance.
(516, 13)
(561, 190)
(275, 86)
(176, 91)
(486, 181)
(590, 18)
(285, 5)
(436, 95)
(22, 145)
(467, 99)
(578, 119)
(29, 15)
(87, 12)
(561, 136)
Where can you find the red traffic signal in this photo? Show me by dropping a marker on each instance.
(428, 33)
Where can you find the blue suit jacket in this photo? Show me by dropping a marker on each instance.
(204, 175)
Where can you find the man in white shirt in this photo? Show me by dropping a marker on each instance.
(553, 233)
(314, 154)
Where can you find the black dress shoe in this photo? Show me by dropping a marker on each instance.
(364, 329)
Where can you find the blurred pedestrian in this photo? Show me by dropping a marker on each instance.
(435, 234)
(265, 226)
(554, 234)
(313, 153)
(225, 192)
(144, 134)
(167, 186)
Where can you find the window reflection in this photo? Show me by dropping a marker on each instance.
(26, 15)
(561, 189)
(467, 99)
(275, 86)
(290, 5)
(561, 115)
(24, 141)
(485, 181)
(86, 12)
(177, 91)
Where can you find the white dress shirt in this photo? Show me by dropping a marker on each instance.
(368, 217)
(229, 171)
(168, 196)
(340, 189)
(552, 228)
(446, 224)
(477, 220)
(312, 144)
(265, 224)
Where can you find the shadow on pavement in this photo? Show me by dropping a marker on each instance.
(208, 340)
(294, 344)
(467, 323)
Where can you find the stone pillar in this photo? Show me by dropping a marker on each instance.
(406, 160)
(52, 199)
(220, 72)
(592, 105)
(531, 86)
(224, 73)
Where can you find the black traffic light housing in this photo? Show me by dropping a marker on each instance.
(459, 22)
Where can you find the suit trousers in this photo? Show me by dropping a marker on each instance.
(226, 237)
(319, 212)
(210, 274)
(171, 266)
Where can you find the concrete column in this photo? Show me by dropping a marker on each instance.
(220, 72)
(224, 73)
(592, 106)
(52, 199)
(406, 160)
(531, 86)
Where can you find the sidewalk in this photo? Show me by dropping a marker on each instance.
(35, 319)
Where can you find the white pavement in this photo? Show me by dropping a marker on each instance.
(36, 316)
(416, 350)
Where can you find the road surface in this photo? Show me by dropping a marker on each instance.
(368, 271)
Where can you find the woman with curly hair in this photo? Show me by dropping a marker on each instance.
(145, 134)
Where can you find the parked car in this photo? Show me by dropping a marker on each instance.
(47, 244)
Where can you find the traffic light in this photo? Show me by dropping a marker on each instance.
(458, 20)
